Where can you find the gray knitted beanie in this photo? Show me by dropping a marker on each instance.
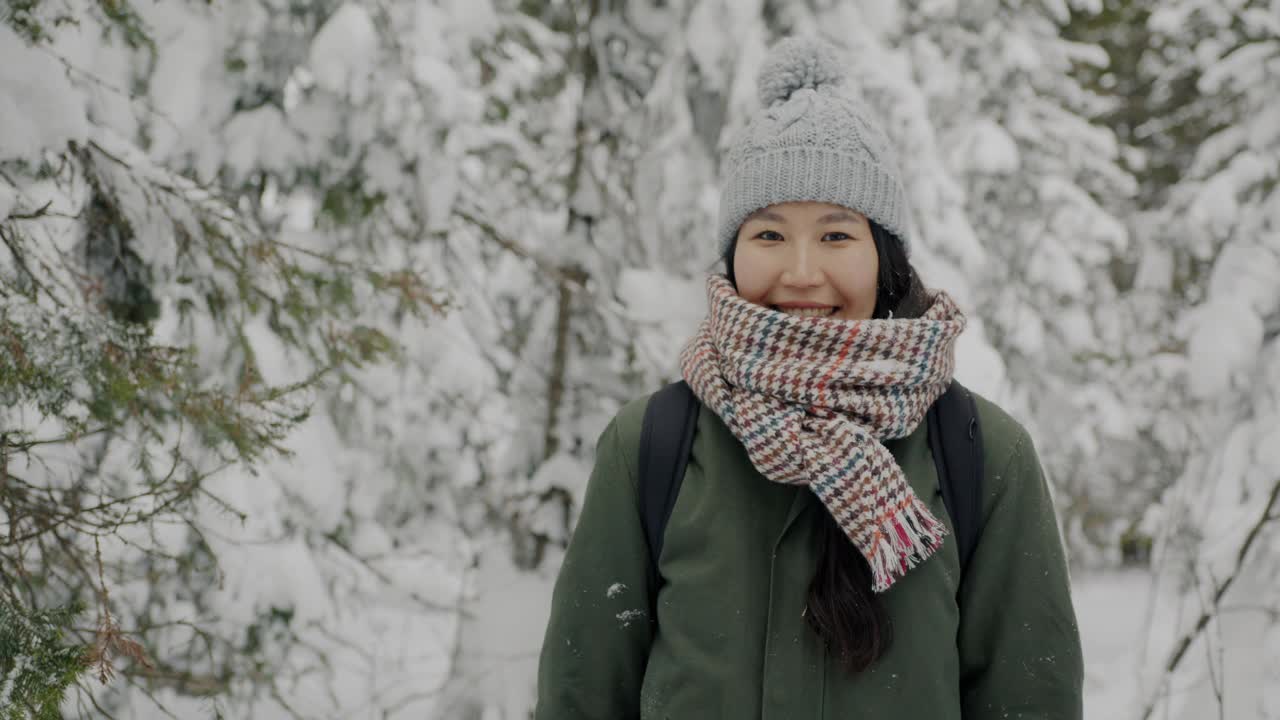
(810, 143)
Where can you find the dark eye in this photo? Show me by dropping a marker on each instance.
(834, 236)
(769, 235)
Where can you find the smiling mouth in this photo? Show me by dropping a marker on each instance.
(808, 312)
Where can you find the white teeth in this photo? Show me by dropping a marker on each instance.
(808, 312)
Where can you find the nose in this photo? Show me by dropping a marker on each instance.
(801, 269)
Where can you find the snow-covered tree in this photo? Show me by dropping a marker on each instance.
(169, 323)
(1214, 254)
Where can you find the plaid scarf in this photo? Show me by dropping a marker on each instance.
(811, 399)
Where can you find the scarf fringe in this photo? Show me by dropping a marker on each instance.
(905, 540)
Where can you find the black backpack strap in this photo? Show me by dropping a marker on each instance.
(666, 437)
(955, 439)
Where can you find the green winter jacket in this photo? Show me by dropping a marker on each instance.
(1001, 643)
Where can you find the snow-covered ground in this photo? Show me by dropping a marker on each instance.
(1112, 608)
(1128, 633)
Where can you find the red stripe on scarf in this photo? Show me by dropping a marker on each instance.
(844, 352)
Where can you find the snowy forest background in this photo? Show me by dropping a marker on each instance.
(311, 313)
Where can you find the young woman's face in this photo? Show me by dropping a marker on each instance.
(808, 258)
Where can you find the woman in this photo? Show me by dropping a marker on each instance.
(807, 570)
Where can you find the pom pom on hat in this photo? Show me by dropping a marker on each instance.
(795, 63)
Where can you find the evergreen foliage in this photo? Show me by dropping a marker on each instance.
(37, 666)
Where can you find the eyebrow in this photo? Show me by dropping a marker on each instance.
(835, 217)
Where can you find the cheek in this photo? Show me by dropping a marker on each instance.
(868, 276)
(752, 274)
(859, 283)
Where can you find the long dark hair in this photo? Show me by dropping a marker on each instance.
(843, 610)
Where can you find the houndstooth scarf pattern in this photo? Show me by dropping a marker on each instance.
(812, 399)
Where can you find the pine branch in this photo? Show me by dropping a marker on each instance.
(1176, 657)
(40, 212)
(569, 274)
